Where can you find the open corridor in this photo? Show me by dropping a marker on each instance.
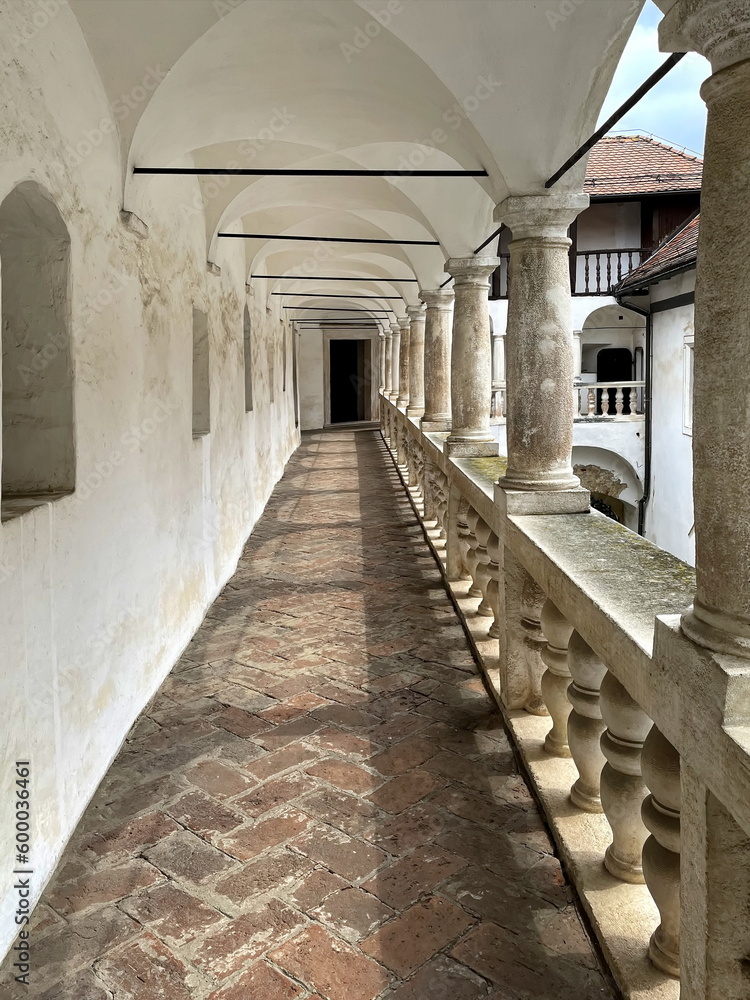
(321, 802)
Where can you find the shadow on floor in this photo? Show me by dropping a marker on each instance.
(321, 801)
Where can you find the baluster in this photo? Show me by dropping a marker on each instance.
(501, 403)
(585, 724)
(609, 270)
(462, 539)
(429, 492)
(493, 587)
(556, 678)
(472, 557)
(404, 449)
(605, 402)
(591, 403)
(413, 466)
(586, 271)
(661, 852)
(483, 532)
(618, 401)
(522, 640)
(598, 273)
(442, 504)
(622, 787)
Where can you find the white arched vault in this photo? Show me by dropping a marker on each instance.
(335, 84)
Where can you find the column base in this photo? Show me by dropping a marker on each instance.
(392, 397)
(514, 501)
(704, 627)
(471, 449)
(562, 482)
(401, 401)
(436, 423)
(414, 411)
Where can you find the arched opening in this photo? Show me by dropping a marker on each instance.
(612, 343)
(615, 486)
(38, 442)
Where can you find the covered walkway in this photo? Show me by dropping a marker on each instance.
(321, 802)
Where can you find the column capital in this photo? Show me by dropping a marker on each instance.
(403, 323)
(718, 29)
(415, 312)
(471, 270)
(395, 328)
(437, 298)
(540, 215)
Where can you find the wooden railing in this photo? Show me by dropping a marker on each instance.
(592, 272)
(570, 616)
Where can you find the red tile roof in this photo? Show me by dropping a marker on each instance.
(638, 164)
(680, 250)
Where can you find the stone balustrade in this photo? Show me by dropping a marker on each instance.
(566, 615)
(608, 399)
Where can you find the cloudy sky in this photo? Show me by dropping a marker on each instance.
(673, 110)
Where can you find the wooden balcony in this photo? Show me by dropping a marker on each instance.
(592, 272)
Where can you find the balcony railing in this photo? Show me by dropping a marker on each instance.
(609, 399)
(573, 619)
(592, 272)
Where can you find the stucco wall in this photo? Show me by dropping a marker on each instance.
(312, 413)
(100, 591)
(669, 518)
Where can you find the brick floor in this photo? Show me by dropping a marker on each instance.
(321, 803)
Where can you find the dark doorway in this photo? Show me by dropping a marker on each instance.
(614, 364)
(350, 381)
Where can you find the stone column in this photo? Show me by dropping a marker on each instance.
(437, 359)
(539, 342)
(381, 361)
(577, 353)
(720, 616)
(471, 358)
(388, 360)
(498, 372)
(404, 358)
(395, 361)
(416, 360)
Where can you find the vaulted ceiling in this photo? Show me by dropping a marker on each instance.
(510, 87)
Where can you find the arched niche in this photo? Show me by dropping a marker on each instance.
(38, 431)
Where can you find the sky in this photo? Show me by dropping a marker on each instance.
(673, 110)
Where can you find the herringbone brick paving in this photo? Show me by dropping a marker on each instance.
(321, 803)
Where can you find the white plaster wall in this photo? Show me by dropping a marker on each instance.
(311, 370)
(314, 372)
(100, 592)
(609, 224)
(669, 517)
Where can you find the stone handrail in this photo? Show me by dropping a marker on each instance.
(567, 614)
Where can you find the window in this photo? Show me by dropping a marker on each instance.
(248, 348)
(201, 381)
(687, 385)
(38, 440)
